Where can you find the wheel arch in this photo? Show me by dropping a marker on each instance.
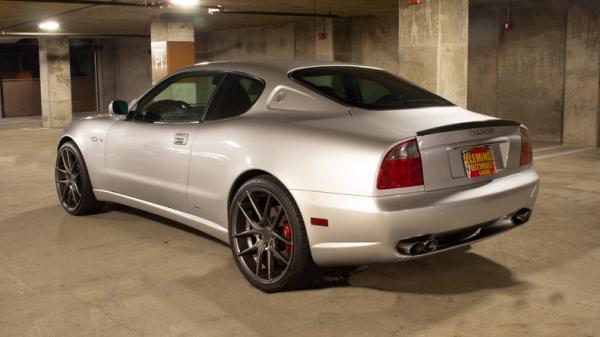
(63, 140)
(245, 176)
(67, 138)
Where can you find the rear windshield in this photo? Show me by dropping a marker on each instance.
(366, 88)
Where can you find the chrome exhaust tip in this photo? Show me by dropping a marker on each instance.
(417, 248)
(430, 246)
(521, 216)
(411, 248)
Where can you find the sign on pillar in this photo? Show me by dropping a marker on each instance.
(170, 56)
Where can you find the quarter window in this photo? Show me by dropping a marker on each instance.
(235, 96)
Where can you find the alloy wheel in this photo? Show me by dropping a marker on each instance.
(68, 178)
(262, 235)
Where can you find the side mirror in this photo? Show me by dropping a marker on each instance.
(118, 109)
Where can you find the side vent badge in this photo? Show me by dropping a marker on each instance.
(279, 96)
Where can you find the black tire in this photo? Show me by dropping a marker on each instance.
(300, 270)
(73, 183)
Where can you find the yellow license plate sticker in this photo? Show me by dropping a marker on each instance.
(479, 161)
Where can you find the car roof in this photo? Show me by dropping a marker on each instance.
(266, 67)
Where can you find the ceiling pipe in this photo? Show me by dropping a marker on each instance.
(165, 3)
(80, 35)
(277, 13)
(30, 22)
(141, 4)
(145, 4)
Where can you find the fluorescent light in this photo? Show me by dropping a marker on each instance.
(49, 25)
(185, 3)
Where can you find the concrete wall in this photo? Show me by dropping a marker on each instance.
(55, 82)
(371, 40)
(484, 38)
(266, 42)
(107, 72)
(134, 75)
(433, 46)
(124, 69)
(519, 74)
(342, 42)
(582, 73)
(375, 41)
(545, 72)
(304, 35)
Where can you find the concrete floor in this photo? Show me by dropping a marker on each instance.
(128, 273)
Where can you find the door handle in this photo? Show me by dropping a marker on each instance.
(181, 138)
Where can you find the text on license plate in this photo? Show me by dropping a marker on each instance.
(479, 161)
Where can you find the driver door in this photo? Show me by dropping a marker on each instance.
(148, 155)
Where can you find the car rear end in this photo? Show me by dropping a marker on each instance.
(439, 190)
(450, 178)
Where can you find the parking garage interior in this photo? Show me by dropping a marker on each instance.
(125, 272)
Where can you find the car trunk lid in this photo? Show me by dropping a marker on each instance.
(457, 147)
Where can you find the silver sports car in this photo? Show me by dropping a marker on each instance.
(299, 165)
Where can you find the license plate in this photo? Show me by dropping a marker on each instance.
(479, 161)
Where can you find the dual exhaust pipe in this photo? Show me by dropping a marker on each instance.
(426, 244)
(417, 247)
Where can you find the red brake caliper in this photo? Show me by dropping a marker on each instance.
(287, 234)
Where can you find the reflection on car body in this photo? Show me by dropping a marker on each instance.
(299, 165)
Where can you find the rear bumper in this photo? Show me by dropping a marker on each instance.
(368, 229)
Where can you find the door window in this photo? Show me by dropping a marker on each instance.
(184, 100)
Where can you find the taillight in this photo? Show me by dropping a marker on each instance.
(526, 147)
(401, 167)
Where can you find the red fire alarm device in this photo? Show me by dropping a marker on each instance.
(508, 23)
(414, 2)
(322, 35)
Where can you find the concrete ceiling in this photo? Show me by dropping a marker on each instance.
(132, 20)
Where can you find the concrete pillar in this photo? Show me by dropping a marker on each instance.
(172, 44)
(342, 39)
(55, 82)
(433, 46)
(107, 72)
(582, 64)
(324, 43)
(202, 43)
(1, 102)
(304, 39)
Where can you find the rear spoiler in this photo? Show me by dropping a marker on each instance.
(469, 125)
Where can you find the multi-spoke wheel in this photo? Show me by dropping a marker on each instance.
(268, 238)
(73, 183)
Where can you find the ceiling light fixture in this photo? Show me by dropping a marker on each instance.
(215, 9)
(49, 25)
(185, 3)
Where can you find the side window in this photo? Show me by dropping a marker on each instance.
(235, 96)
(331, 85)
(183, 101)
